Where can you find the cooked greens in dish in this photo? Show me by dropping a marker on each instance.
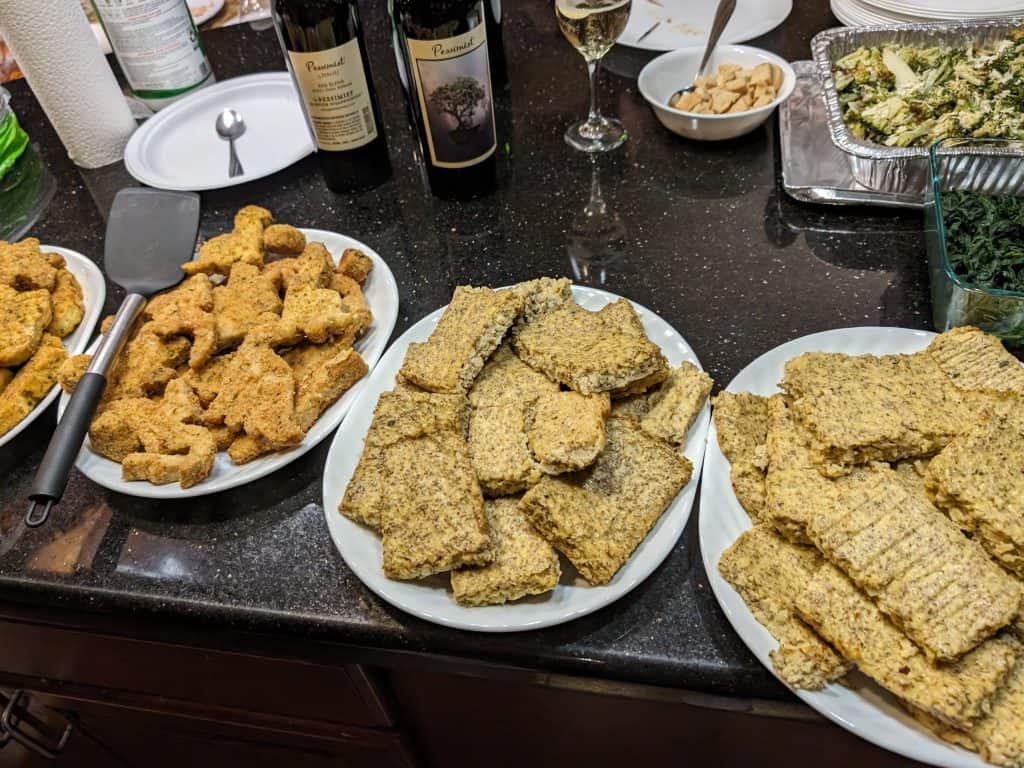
(985, 238)
(910, 96)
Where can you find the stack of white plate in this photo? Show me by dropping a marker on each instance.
(860, 13)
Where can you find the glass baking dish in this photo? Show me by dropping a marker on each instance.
(987, 166)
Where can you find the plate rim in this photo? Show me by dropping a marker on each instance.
(171, 491)
(726, 37)
(217, 6)
(732, 605)
(333, 518)
(133, 151)
(88, 324)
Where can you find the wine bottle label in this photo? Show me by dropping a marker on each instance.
(453, 81)
(156, 44)
(337, 97)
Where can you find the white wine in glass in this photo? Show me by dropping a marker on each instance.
(593, 26)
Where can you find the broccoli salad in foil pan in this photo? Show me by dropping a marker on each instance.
(905, 95)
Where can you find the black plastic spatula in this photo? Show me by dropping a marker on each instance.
(150, 233)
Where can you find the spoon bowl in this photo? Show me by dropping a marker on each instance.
(230, 126)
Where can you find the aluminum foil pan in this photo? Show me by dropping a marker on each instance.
(893, 170)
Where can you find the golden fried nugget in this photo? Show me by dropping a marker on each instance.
(246, 299)
(283, 238)
(253, 218)
(598, 517)
(55, 260)
(676, 403)
(257, 394)
(318, 313)
(206, 381)
(741, 421)
(180, 403)
(957, 694)
(24, 268)
(470, 329)
(187, 311)
(592, 351)
(866, 408)
(24, 317)
(114, 432)
(975, 360)
(432, 518)
(524, 564)
(978, 480)
(147, 363)
(935, 584)
(32, 382)
(355, 264)
(67, 303)
(768, 572)
(281, 272)
(175, 453)
(71, 371)
(314, 266)
(567, 433)
(399, 415)
(6, 374)
(218, 254)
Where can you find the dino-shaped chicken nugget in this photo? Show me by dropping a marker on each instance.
(23, 318)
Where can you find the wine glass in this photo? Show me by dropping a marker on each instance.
(593, 26)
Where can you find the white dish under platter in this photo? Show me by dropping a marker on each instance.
(860, 707)
(94, 293)
(431, 598)
(382, 297)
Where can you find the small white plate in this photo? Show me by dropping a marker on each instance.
(686, 23)
(94, 293)
(382, 297)
(204, 10)
(862, 707)
(179, 149)
(431, 598)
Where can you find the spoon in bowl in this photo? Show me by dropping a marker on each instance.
(231, 126)
(722, 15)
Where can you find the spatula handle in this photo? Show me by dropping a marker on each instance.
(52, 476)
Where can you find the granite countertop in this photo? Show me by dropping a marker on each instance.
(701, 233)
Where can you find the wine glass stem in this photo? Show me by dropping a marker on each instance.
(594, 116)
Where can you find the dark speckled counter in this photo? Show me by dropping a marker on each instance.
(703, 234)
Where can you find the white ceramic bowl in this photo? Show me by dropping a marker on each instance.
(672, 71)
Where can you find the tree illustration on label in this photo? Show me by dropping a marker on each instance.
(460, 99)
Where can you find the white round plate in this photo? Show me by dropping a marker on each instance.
(856, 13)
(179, 149)
(94, 293)
(204, 10)
(951, 9)
(862, 707)
(431, 598)
(686, 23)
(382, 297)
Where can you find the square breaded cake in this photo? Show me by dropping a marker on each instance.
(470, 329)
(591, 352)
(599, 516)
(865, 408)
(399, 415)
(432, 519)
(957, 694)
(568, 430)
(524, 564)
(978, 480)
(768, 572)
(975, 360)
(674, 405)
(741, 421)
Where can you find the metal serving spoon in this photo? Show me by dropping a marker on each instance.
(231, 126)
(722, 15)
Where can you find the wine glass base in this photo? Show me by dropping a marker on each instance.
(601, 135)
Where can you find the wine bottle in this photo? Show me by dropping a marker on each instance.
(496, 43)
(323, 45)
(448, 69)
